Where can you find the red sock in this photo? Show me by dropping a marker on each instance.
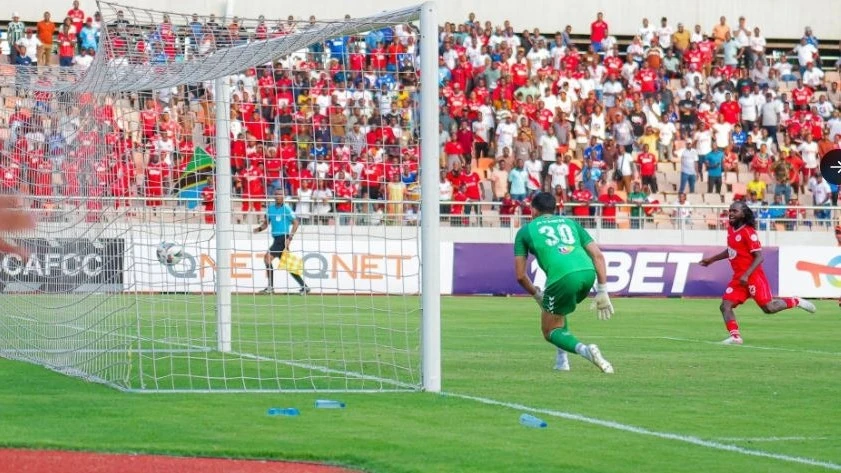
(791, 302)
(733, 328)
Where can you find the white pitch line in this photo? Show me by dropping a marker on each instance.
(772, 439)
(653, 433)
(755, 347)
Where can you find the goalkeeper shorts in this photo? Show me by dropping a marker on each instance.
(562, 296)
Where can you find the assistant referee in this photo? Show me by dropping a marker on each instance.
(284, 225)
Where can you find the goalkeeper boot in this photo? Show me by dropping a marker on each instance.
(598, 360)
(561, 361)
(806, 305)
(305, 290)
(268, 290)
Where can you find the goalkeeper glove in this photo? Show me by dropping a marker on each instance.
(538, 297)
(602, 302)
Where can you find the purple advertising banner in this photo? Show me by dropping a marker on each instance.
(488, 268)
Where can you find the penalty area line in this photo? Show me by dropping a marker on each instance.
(754, 347)
(692, 440)
(772, 439)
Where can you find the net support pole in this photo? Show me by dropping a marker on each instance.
(429, 170)
(223, 210)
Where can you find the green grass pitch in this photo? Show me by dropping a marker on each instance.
(778, 396)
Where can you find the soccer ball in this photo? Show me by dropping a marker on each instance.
(170, 253)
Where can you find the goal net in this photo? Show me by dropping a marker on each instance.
(151, 161)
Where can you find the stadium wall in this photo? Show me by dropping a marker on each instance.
(386, 260)
(776, 18)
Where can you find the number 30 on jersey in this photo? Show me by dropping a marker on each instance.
(557, 234)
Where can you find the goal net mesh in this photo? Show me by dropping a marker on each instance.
(115, 152)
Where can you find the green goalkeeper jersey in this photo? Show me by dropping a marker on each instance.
(558, 245)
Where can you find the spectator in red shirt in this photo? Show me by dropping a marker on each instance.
(77, 17)
(609, 201)
(251, 182)
(473, 188)
(344, 192)
(801, 95)
(70, 171)
(649, 82)
(66, 46)
(582, 197)
(730, 109)
(124, 175)
(598, 32)
(42, 172)
(208, 200)
(647, 163)
(157, 172)
(464, 136)
(459, 195)
(507, 208)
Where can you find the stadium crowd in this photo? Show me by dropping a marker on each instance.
(678, 115)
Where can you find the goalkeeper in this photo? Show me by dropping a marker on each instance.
(572, 262)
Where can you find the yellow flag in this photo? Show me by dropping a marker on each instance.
(292, 263)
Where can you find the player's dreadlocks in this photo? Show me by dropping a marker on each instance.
(749, 218)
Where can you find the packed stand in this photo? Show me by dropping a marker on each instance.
(675, 117)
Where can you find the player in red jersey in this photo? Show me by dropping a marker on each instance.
(745, 254)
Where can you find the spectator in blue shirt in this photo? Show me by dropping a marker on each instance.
(739, 137)
(517, 179)
(387, 35)
(595, 151)
(778, 209)
(713, 162)
(810, 37)
(444, 74)
(764, 216)
(372, 38)
(338, 49)
(89, 37)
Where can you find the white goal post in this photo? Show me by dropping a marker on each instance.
(148, 180)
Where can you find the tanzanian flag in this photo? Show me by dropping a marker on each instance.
(195, 177)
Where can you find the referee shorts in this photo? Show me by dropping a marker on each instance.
(278, 245)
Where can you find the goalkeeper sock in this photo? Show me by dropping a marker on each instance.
(791, 302)
(584, 351)
(270, 274)
(299, 279)
(561, 338)
(733, 328)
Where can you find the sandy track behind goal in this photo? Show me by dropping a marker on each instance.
(52, 461)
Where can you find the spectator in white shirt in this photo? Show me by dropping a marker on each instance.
(824, 108)
(505, 133)
(27, 48)
(757, 46)
(646, 32)
(821, 196)
(785, 69)
(750, 109)
(534, 171)
(806, 53)
(666, 131)
(558, 172)
(682, 212)
(813, 77)
(809, 152)
(722, 131)
(548, 148)
(83, 60)
(664, 34)
(697, 35)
